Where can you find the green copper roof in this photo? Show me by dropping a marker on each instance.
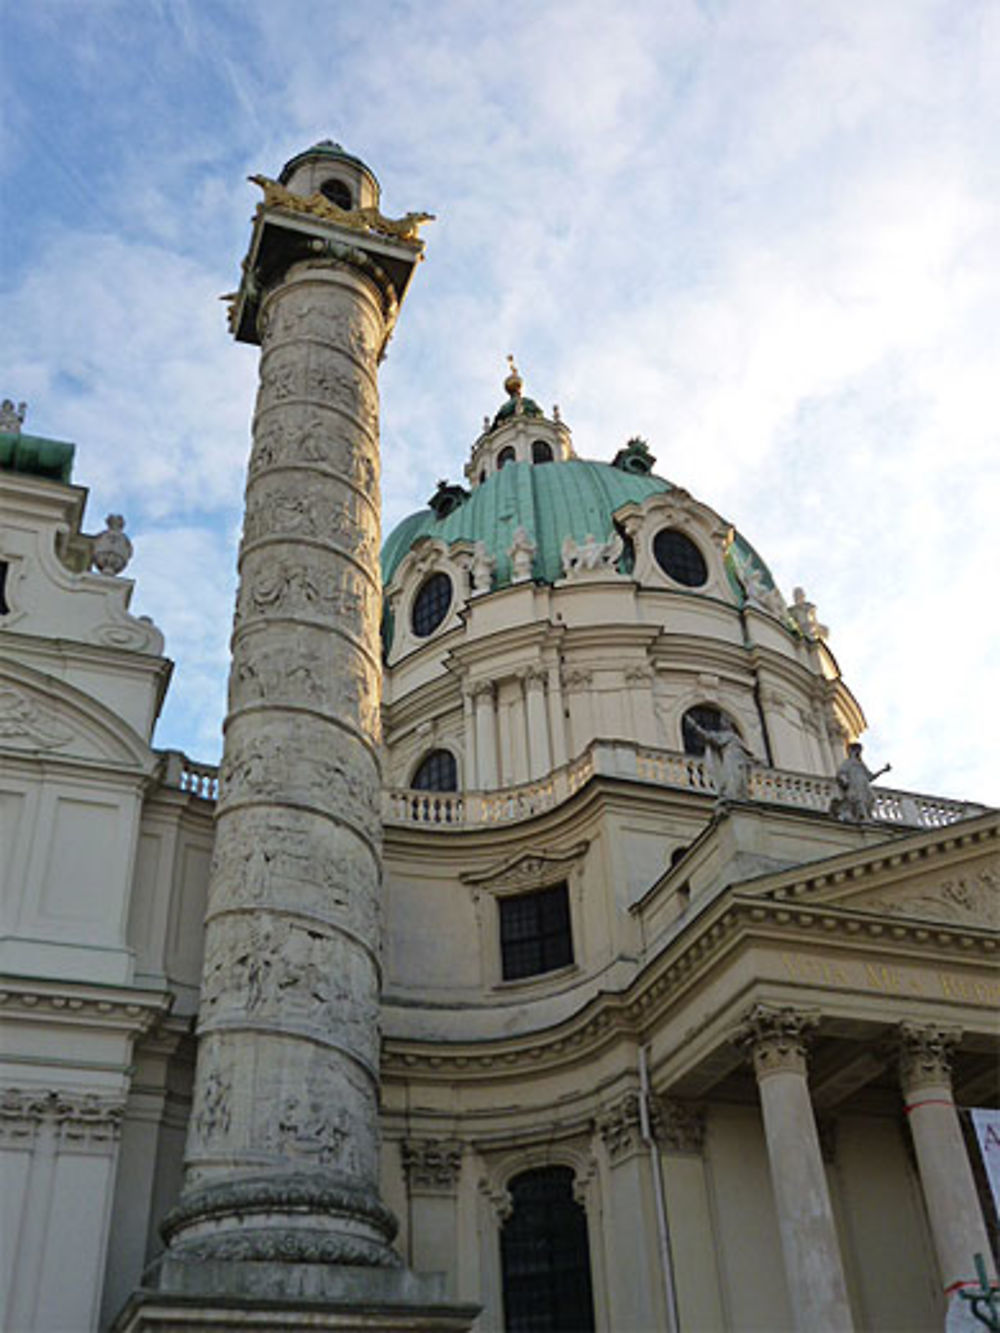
(552, 501)
(37, 456)
(325, 148)
(529, 408)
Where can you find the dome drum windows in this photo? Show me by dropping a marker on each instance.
(437, 771)
(505, 456)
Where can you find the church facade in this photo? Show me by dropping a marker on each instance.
(680, 1016)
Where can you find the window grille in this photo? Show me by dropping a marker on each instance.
(545, 1256)
(535, 932)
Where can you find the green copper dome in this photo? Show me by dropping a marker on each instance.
(552, 502)
(515, 403)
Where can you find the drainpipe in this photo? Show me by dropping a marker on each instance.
(662, 1227)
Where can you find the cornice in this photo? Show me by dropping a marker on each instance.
(730, 922)
(64, 1003)
(861, 863)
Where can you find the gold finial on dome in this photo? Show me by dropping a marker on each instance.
(513, 383)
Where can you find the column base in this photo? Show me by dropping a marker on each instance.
(199, 1296)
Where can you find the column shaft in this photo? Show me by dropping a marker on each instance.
(813, 1268)
(949, 1189)
(539, 754)
(282, 1151)
(486, 737)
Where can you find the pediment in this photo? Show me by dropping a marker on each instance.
(43, 717)
(969, 898)
(528, 870)
(951, 877)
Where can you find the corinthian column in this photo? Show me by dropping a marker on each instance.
(945, 1174)
(776, 1039)
(282, 1153)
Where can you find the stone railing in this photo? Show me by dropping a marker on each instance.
(186, 775)
(613, 759)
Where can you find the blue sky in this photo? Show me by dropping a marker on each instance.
(761, 233)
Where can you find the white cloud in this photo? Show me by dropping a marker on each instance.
(762, 234)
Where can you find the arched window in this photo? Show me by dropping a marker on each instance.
(436, 772)
(545, 1257)
(337, 193)
(430, 606)
(505, 456)
(677, 556)
(541, 451)
(708, 719)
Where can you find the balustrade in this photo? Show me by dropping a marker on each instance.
(663, 768)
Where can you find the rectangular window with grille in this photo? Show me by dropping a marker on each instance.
(535, 932)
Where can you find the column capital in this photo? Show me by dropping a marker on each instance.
(619, 1126)
(679, 1126)
(776, 1038)
(925, 1051)
(432, 1166)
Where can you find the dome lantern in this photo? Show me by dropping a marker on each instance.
(520, 432)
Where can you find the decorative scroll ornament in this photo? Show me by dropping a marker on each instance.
(591, 556)
(112, 550)
(317, 205)
(432, 1166)
(776, 1038)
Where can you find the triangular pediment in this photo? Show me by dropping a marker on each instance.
(950, 876)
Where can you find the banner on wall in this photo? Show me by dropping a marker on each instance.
(987, 1127)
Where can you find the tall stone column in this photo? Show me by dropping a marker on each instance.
(945, 1174)
(282, 1153)
(281, 1201)
(776, 1039)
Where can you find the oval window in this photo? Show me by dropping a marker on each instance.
(678, 557)
(430, 606)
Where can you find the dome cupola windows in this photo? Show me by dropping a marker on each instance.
(338, 193)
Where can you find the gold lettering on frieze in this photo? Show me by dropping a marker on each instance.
(889, 979)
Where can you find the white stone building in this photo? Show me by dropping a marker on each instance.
(666, 1044)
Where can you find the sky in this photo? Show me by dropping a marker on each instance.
(762, 234)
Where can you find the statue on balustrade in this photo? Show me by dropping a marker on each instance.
(729, 760)
(855, 800)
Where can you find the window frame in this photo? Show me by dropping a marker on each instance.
(554, 942)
